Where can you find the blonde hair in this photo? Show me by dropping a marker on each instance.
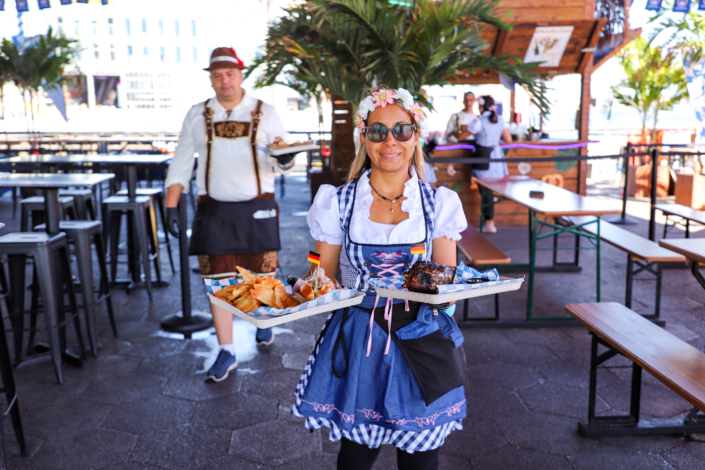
(361, 163)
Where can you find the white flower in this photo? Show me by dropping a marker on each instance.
(405, 96)
(366, 107)
(423, 127)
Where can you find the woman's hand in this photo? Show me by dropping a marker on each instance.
(330, 257)
(444, 252)
(506, 136)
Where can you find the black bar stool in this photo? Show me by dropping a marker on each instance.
(85, 204)
(141, 227)
(51, 271)
(33, 208)
(83, 233)
(157, 195)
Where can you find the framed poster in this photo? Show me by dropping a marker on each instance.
(548, 45)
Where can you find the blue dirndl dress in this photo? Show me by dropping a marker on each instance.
(365, 390)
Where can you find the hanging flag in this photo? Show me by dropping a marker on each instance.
(2, 5)
(653, 5)
(418, 250)
(314, 257)
(701, 5)
(43, 4)
(81, 1)
(21, 6)
(104, 2)
(66, 2)
(681, 6)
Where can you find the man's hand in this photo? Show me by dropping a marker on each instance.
(285, 161)
(173, 221)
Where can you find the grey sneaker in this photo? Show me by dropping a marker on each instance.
(224, 363)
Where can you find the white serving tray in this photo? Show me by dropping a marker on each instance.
(275, 152)
(436, 299)
(266, 321)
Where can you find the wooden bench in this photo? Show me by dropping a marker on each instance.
(641, 252)
(674, 362)
(686, 214)
(479, 251)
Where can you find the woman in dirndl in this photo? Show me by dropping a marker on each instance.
(385, 371)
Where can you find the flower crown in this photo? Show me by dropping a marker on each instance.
(383, 97)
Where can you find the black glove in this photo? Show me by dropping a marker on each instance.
(285, 159)
(442, 306)
(173, 221)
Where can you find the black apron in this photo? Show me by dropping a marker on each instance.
(221, 228)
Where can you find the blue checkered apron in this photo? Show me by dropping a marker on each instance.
(378, 401)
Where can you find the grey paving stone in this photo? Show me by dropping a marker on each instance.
(540, 336)
(486, 401)
(549, 433)
(601, 457)
(523, 354)
(451, 462)
(516, 457)
(255, 442)
(230, 462)
(150, 414)
(192, 386)
(130, 466)
(575, 374)
(167, 366)
(319, 460)
(295, 360)
(560, 400)
(483, 433)
(484, 337)
(37, 386)
(65, 418)
(236, 411)
(125, 388)
(183, 446)
(474, 354)
(503, 375)
(105, 366)
(263, 360)
(131, 330)
(279, 384)
(657, 401)
(293, 341)
(13, 456)
(686, 457)
(152, 347)
(653, 444)
(387, 459)
(93, 448)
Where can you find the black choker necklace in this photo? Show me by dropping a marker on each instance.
(393, 201)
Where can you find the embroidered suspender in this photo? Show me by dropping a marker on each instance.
(254, 127)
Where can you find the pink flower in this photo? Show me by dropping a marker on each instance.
(359, 122)
(383, 97)
(417, 112)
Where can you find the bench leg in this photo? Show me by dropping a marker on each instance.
(630, 282)
(687, 228)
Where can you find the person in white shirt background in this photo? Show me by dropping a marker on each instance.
(459, 122)
(237, 220)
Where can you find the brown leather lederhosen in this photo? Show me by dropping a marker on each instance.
(226, 234)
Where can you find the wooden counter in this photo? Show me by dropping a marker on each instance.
(510, 213)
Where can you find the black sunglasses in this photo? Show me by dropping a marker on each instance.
(378, 133)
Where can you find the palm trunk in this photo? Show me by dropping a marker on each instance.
(26, 111)
(653, 130)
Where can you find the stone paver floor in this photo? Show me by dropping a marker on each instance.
(143, 403)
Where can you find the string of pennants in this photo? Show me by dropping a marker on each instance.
(679, 6)
(23, 5)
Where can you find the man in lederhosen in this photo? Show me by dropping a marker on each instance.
(237, 220)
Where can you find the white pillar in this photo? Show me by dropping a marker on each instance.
(90, 89)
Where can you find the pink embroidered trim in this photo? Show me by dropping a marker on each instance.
(373, 415)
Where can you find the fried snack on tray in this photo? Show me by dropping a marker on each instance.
(317, 285)
(256, 291)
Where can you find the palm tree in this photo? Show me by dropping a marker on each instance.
(340, 47)
(655, 81)
(38, 62)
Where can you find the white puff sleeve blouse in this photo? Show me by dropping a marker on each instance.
(324, 220)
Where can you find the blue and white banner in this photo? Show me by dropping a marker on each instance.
(66, 2)
(701, 5)
(695, 78)
(44, 4)
(214, 285)
(81, 1)
(681, 6)
(21, 5)
(653, 5)
(2, 5)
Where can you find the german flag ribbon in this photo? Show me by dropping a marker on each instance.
(314, 257)
(418, 250)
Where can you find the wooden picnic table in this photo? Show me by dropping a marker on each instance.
(556, 203)
(687, 214)
(694, 251)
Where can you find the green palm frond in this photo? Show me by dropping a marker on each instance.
(343, 46)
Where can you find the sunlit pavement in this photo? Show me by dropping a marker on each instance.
(143, 403)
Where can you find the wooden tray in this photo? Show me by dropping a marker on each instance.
(266, 321)
(436, 299)
(292, 149)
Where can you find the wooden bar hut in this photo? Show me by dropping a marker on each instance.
(600, 29)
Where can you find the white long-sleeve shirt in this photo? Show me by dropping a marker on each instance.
(232, 174)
